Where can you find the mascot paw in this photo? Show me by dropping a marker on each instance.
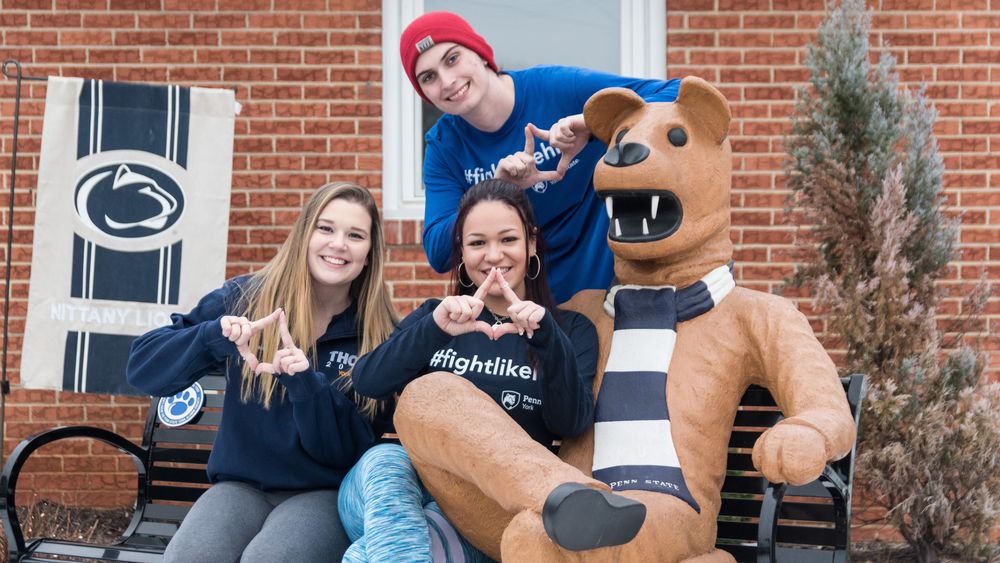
(577, 517)
(790, 453)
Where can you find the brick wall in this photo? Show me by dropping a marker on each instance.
(308, 73)
(754, 51)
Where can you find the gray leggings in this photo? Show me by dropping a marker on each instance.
(234, 521)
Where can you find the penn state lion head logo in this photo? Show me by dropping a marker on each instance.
(510, 399)
(128, 200)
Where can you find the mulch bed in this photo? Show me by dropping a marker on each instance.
(44, 518)
(879, 552)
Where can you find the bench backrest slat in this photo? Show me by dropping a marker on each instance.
(180, 455)
(197, 476)
(183, 436)
(175, 493)
(804, 535)
(803, 511)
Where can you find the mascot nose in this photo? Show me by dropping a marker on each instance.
(626, 154)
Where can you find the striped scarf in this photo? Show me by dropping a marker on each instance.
(633, 446)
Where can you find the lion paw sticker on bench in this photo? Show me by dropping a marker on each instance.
(180, 409)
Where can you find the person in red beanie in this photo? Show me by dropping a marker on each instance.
(524, 126)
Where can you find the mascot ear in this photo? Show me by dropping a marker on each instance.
(706, 104)
(607, 108)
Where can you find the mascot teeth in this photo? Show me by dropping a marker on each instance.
(642, 215)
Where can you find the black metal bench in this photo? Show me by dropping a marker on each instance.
(171, 476)
(754, 524)
(763, 522)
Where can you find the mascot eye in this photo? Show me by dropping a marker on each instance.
(618, 137)
(677, 137)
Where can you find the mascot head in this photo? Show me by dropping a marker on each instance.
(665, 181)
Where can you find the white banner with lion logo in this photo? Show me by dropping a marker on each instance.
(131, 223)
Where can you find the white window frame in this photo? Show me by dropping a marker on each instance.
(643, 54)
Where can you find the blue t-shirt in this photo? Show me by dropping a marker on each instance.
(572, 218)
(309, 437)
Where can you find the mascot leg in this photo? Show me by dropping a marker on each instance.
(479, 465)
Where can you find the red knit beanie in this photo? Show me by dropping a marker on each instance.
(439, 27)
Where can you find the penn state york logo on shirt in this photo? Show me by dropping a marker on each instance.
(543, 153)
(511, 400)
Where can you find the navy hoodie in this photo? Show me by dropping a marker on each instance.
(549, 400)
(309, 437)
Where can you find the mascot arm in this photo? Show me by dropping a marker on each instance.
(567, 364)
(803, 380)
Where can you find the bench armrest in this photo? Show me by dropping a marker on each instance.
(770, 509)
(20, 455)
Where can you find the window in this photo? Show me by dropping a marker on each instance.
(626, 37)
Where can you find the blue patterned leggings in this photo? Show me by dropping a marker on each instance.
(389, 515)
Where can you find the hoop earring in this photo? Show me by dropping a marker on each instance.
(460, 281)
(537, 270)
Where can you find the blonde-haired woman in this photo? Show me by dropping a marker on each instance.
(292, 426)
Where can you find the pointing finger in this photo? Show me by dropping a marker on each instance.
(508, 293)
(286, 337)
(536, 132)
(529, 139)
(261, 323)
(485, 288)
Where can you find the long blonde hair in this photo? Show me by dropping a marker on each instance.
(286, 282)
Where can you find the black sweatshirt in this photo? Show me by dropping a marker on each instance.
(552, 400)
